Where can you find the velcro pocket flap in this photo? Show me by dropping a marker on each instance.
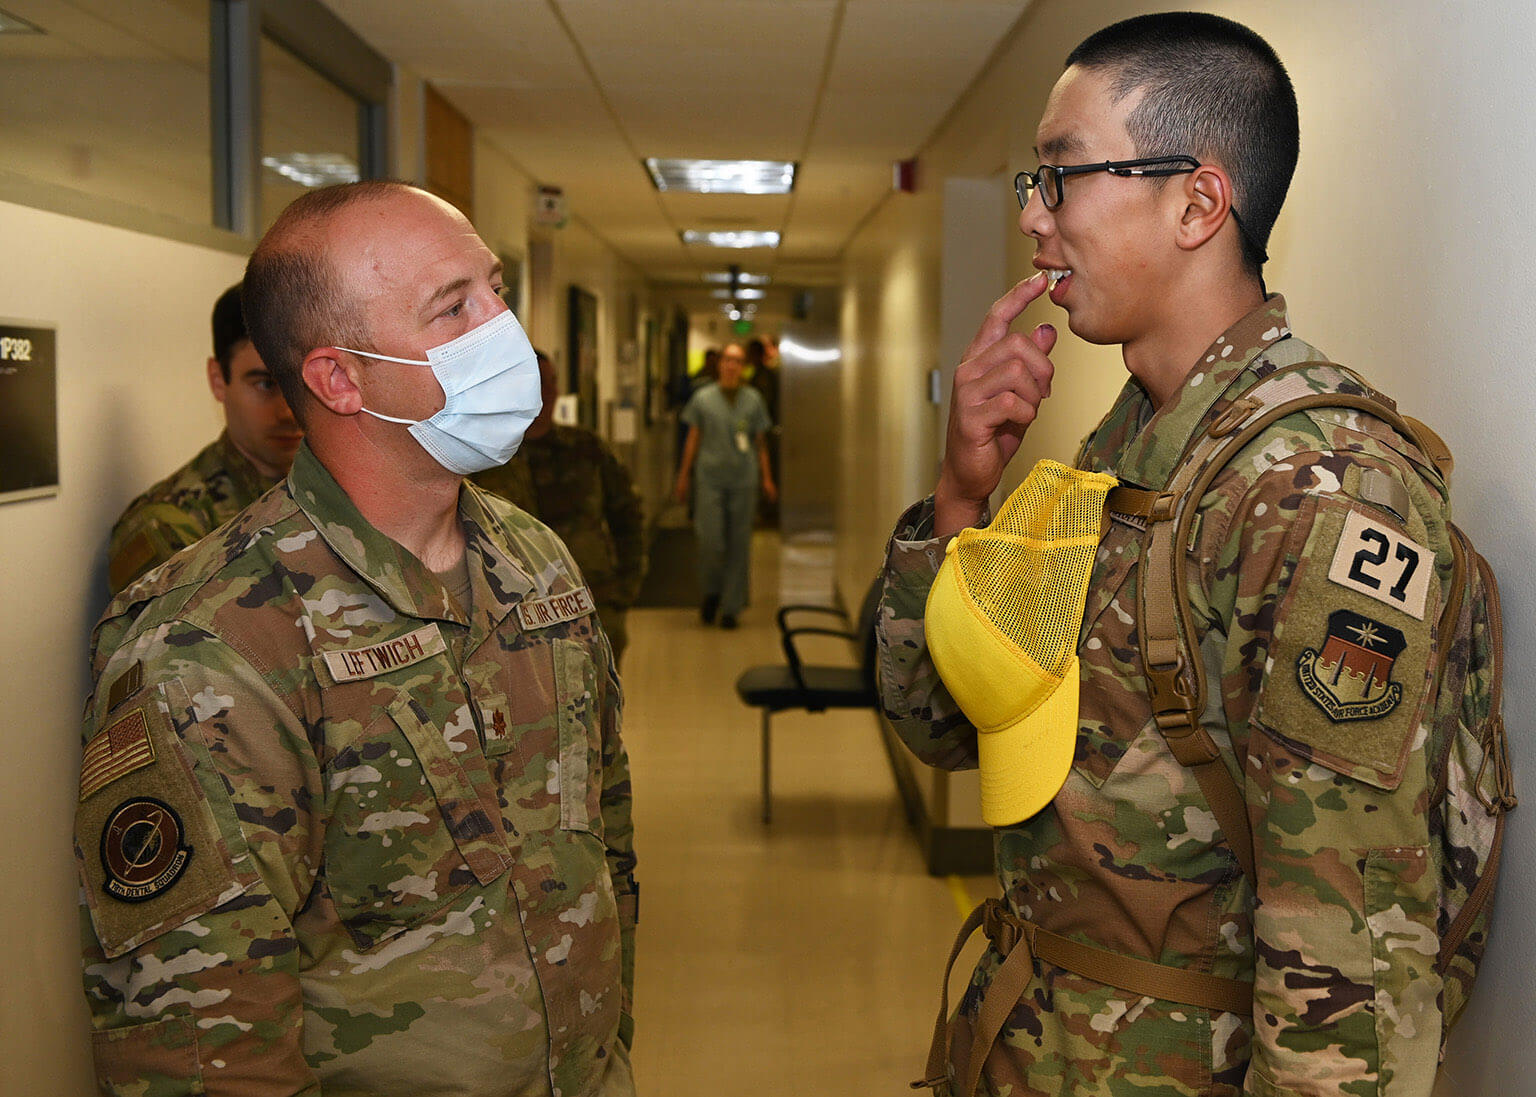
(156, 838)
(1349, 672)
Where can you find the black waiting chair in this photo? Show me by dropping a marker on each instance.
(813, 687)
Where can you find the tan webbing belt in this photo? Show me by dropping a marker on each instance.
(1019, 941)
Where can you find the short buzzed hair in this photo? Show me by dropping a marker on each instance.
(228, 328)
(1212, 89)
(293, 301)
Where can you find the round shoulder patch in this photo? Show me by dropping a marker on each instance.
(142, 850)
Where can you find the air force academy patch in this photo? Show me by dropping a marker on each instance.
(1351, 678)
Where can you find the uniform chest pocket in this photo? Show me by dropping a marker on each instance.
(1113, 706)
(581, 737)
(408, 832)
(547, 752)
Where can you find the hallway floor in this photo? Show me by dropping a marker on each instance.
(801, 957)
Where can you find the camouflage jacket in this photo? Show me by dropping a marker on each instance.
(181, 510)
(572, 482)
(1340, 939)
(335, 833)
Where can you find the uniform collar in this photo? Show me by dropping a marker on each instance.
(1152, 456)
(401, 579)
(247, 478)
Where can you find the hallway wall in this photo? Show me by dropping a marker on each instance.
(132, 317)
(1403, 251)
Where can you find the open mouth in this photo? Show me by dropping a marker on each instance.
(1056, 276)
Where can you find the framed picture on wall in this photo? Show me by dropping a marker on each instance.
(655, 377)
(512, 286)
(29, 418)
(581, 360)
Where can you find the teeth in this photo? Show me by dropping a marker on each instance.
(1057, 275)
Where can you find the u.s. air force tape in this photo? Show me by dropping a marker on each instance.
(543, 612)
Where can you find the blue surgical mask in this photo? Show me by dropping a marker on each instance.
(490, 378)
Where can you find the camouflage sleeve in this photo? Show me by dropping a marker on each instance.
(194, 849)
(619, 839)
(911, 692)
(625, 516)
(1328, 675)
(146, 535)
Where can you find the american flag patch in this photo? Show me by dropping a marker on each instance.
(115, 752)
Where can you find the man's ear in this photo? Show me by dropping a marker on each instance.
(216, 383)
(331, 377)
(1207, 196)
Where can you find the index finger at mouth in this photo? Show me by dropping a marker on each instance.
(1005, 310)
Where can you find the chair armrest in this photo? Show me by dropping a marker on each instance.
(786, 610)
(792, 654)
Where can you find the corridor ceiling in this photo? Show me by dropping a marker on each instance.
(578, 92)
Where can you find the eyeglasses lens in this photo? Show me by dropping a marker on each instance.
(1050, 186)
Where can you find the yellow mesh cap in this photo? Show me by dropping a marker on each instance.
(1002, 623)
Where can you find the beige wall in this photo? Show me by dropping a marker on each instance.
(504, 196)
(1404, 251)
(132, 317)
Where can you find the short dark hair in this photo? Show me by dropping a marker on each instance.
(292, 298)
(228, 327)
(1212, 89)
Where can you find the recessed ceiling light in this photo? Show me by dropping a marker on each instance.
(741, 294)
(14, 24)
(314, 169)
(722, 176)
(724, 277)
(741, 239)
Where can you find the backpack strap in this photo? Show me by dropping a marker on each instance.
(1175, 674)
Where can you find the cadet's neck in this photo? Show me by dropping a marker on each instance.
(1197, 313)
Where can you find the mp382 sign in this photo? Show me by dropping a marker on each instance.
(29, 421)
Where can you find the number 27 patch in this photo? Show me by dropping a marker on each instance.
(1382, 564)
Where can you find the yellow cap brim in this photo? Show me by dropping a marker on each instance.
(1024, 765)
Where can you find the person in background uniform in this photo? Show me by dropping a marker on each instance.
(569, 479)
(727, 425)
(254, 452)
(764, 377)
(1329, 951)
(354, 811)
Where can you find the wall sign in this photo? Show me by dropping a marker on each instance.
(29, 421)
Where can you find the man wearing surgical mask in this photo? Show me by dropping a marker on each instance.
(354, 811)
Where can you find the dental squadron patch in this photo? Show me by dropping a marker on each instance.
(142, 849)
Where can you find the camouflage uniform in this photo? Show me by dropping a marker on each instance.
(181, 510)
(1340, 939)
(571, 481)
(336, 833)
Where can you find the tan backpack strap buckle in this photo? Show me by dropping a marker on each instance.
(1233, 416)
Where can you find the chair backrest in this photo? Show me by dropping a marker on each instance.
(869, 609)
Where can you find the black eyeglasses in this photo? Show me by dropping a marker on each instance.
(1048, 179)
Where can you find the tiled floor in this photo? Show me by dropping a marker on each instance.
(800, 958)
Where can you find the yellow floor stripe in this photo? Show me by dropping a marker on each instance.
(962, 897)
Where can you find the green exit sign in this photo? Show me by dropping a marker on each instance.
(742, 327)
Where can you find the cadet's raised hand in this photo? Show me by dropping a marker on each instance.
(997, 393)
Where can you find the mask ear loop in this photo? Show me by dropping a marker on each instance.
(386, 358)
(389, 418)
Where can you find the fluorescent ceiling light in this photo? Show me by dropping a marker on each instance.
(741, 294)
(724, 277)
(731, 239)
(818, 356)
(14, 24)
(314, 169)
(722, 176)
